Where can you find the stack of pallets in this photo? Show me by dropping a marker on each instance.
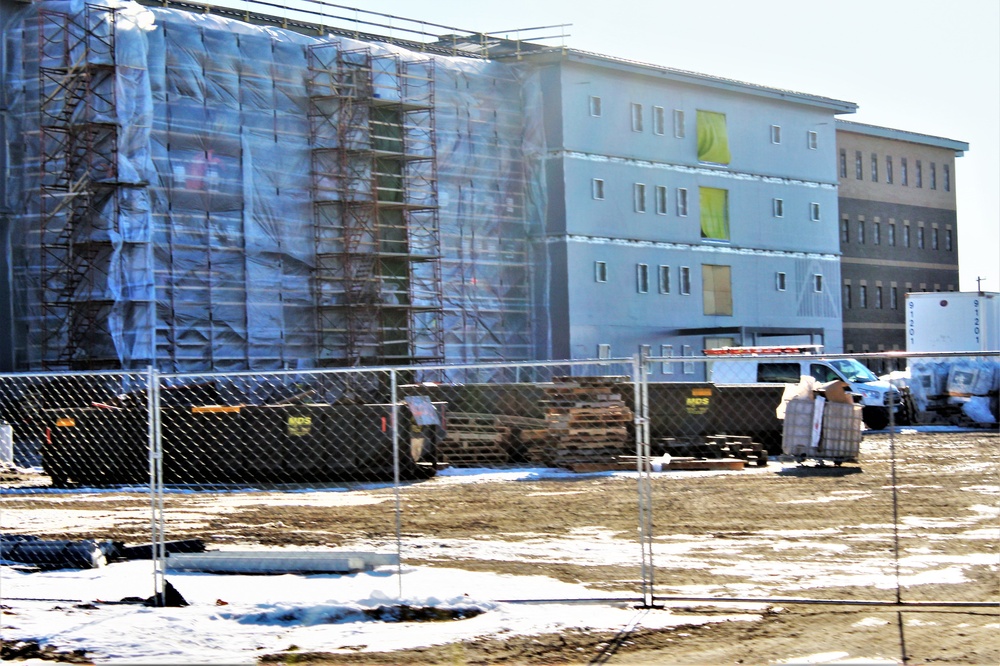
(586, 425)
(474, 440)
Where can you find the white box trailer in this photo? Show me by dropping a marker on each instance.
(953, 321)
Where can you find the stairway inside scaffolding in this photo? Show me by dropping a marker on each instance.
(374, 189)
(79, 187)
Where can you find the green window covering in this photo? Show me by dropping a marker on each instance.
(713, 142)
(714, 213)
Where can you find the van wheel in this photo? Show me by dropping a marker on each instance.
(876, 418)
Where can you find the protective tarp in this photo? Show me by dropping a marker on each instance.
(713, 141)
(221, 228)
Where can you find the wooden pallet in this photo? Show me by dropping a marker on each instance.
(701, 464)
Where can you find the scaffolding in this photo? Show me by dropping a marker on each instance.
(374, 176)
(80, 193)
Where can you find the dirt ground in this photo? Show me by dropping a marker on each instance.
(785, 532)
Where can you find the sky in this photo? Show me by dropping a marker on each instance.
(924, 66)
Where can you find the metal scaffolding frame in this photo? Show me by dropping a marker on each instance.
(374, 177)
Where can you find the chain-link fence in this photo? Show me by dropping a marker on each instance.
(580, 471)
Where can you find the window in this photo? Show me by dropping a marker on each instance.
(874, 168)
(812, 140)
(682, 202)
(713, 141)
(645, 351)
(679, 131)
(919, 176)
(814, 212)
(878, 297)
(843, 163)
(780, 281)
(920, 237)
(847, 295)
(600, 271)
(863, 296)
(904, 178)
(906, 235)
(664, 274)
(687, 366)
(636, 117)
(933, 176)
(685, 281)
(891, 234)
(595, 106)
(948, 240)
(876, 233)
(661, 199)
(642, 278)
(894, 297)
(717, 289)
(603, 351)
(817, 283)
(659, 120)
(597, 189)
(845, 230)
(946, 174)
(778, 207)
(667, 367)
(714, 209)
(858, 166)
(861, 232)
(639, 197)
(934, 238)
(888, 169)
(775, 133)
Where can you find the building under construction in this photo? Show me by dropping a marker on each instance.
(221, 190)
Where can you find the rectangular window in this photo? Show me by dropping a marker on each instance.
(682, 202)
(888, 169)
(661, 199)
(874, 168)
(778, 207)
(934, 238)
(863, 296)
(919, 175)
(667, 367)
(843, 163)
(933, 176)
(878, 297)
(645, 351)
(906, 235)
(642, 278)
(814, 212)
(817, 283)
(861, 232)
(603, 351)
(845, 230)
(891, 234)
(639, 197)
(664, 274)
(659, 120)
(894, 297)
(946, 174)
(687, 366)
(685, 281)
(597, 189)
(775, 133)
(595, 106)
(920, 238)
(636, 117)
(876, 233)
(904, 178)
(780, 281)
(600, 271)
(812, 140)
(713, 141)
(717, 289)
(679, 131)
(858, 165)
(714, 208)
(847, 296)
(948, 240)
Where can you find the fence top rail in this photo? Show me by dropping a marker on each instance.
(73, 373)
(798, 356)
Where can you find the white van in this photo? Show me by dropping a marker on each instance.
(764, 365)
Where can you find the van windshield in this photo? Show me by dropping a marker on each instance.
(853, 371)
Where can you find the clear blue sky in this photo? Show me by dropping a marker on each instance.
(924, 66)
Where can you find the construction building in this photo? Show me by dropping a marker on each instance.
(898, 229)
(231, 190)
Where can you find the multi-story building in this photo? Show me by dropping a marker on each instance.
(898, 228)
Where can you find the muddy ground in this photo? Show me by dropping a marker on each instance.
(785, 532)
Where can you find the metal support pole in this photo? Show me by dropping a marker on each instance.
(155, 443)
(643, 471)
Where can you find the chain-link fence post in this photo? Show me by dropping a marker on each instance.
(157, 519)
(644, 480)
